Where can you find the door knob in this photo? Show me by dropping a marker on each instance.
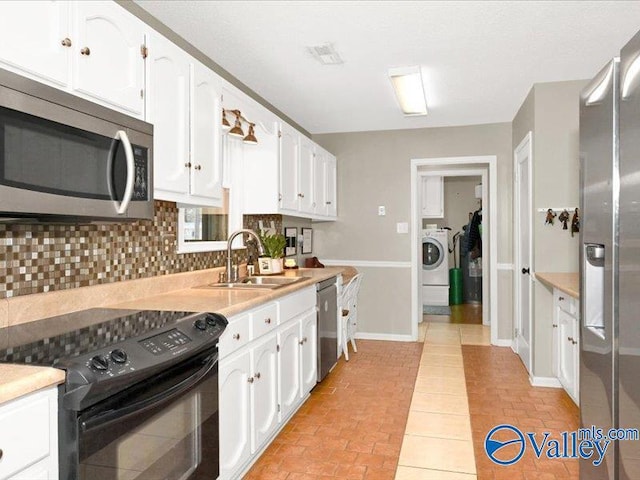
(526, 270)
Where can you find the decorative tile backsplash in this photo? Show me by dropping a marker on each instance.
(37, 258)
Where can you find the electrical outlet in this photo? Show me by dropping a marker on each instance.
(382, 211)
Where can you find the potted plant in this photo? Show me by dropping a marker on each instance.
(274, 249)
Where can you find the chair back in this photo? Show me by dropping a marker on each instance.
(349, 297)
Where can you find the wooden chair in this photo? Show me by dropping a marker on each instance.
(349, 307)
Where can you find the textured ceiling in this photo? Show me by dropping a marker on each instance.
(479, 58)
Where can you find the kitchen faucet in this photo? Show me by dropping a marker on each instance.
(231, 275)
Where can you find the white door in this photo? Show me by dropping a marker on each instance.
(109, 63)
(289, 368)
(264, 391)
(235, 438)
(168, 110)
(331, 201)
(289, 152)
(41, 43)
(305, 175)
(319, 183)
(206, 114)
(524, 264)
(309, 358)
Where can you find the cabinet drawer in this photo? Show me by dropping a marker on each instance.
(567, 303)
(235, 335)
(297, 303)
(263, 320)
(25, 432)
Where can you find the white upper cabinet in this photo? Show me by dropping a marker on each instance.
(331, 196)
(206, 115)
(39, 47)
(432, 196)
(289, 154)
(183, 103)
(168, 110)
(109, 57)
(291, 179)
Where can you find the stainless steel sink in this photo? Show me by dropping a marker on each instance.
(257, 282)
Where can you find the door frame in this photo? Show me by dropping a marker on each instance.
(448, 166)
(525, 143)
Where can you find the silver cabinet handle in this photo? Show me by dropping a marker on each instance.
(198, 167)
(236, 336)
(250, 379)
(188, 164)
(267, 321)
(66, 42)
(85, 51)
(1, 453)
(301, 342)
(301, 195)
(328, 203)
(555, 325)
(258, 375)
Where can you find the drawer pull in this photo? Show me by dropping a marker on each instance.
(258, 375)
(250, 379)
(236, 336)
(267, 321)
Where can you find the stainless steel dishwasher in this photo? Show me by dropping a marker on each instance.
(327, 305)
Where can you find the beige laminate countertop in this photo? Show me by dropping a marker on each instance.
(568, 282)
(19, 380)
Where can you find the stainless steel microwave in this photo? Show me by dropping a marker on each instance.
(63, 158)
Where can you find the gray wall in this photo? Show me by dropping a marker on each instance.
(550, 111)
(373, 170)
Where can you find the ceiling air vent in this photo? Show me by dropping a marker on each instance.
(325, 54)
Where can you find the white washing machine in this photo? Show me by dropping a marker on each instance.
(435, 267)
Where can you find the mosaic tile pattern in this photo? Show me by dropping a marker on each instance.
(40, 258)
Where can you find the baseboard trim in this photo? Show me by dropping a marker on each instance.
(390, 337)
(551, 382)
(503, 343)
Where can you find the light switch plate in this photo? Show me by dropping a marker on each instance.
(402, 227)
(382, 210)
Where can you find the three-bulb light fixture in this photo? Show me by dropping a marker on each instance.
(236, 130)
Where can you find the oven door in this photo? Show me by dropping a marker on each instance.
(164, 428)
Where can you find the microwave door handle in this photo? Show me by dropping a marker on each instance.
(128, 191)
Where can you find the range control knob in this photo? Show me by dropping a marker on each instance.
(99, 362)
(119, 356)
(212, 321)
(200, 324)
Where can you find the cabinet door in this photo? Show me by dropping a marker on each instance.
(432, 197)
(235, 439)
(566, 358)
(40, 471)
(206, 112)
(289, 153)
(331, 198)
(309, 357)
(108, 64)
(305, 175)
(168, 110)
(319, 183)
(33, 34)
(289, 368)
(264, 391)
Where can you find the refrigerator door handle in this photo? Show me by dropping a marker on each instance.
(630, 78)
(593, 320)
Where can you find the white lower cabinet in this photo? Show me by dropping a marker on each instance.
(267, 368)
(264, 391)
(289, 368)
(29, 437)
(566, 342)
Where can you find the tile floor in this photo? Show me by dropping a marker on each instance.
(417, 411)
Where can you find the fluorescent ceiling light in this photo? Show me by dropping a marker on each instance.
(407, 83)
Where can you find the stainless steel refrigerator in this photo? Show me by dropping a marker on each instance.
(610, 260)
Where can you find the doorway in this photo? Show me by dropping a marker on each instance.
(483, 167)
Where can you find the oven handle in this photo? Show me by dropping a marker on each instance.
(139, 407)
